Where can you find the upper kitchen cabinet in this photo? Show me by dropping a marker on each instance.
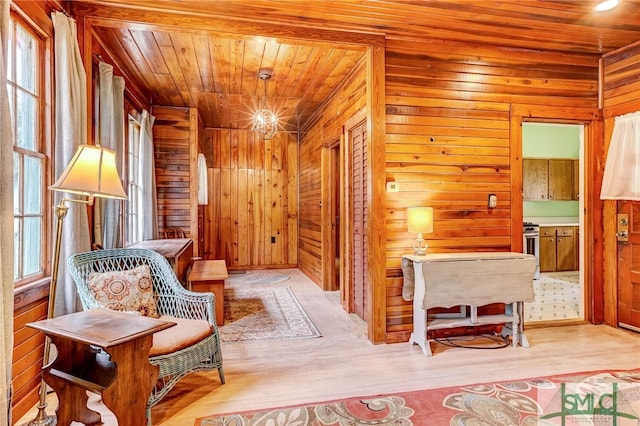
(575, 194)
(549, 179)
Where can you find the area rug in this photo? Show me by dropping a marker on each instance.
(261, 313)
(594, 398)
(258, 278)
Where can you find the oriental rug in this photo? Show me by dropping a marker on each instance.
(264, 313)
(257, 278)
(587, 398)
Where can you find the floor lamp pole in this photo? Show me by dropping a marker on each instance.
(42, 419)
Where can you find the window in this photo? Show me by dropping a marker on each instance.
(134, 208)
(24, 79)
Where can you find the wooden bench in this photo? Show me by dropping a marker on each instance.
(209, 275)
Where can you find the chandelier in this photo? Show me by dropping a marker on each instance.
(265, 121)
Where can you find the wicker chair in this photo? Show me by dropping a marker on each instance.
(172, 233)
(172, 300)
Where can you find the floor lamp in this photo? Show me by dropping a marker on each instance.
(91, 173)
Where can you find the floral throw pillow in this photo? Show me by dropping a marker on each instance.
(129, 290)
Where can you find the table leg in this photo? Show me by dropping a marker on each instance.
(129, 392)
(72, 398)
(218, 291)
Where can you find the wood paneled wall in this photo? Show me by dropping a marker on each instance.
(327, 127)
(448, 143)
(621, 95)
(252, 216)
(29, 305)
(175, 139)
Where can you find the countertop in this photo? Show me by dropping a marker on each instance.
(554, 221)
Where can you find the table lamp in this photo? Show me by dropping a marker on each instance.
(420, 221)
(91, 173)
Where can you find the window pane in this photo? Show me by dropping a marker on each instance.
(9, 55)
(16, 249)
(31, 254)
(16, 184)
(10, 94)
(26, 121)
(32, 185)
(26, 62)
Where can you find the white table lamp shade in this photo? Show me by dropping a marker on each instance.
(92, 172)
(420, 219)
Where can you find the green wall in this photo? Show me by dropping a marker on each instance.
(550, 141)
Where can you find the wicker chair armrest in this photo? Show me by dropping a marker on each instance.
(189, 304)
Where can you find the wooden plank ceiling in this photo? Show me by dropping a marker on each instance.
(166, 48)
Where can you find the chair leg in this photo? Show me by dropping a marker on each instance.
(221, 374)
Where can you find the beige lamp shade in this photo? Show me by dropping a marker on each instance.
(92, 172)
(420, 219)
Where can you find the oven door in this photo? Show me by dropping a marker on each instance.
(532, 246)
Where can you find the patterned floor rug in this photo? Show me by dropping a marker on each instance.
(260, 313)
(594, 398)
(257, 278)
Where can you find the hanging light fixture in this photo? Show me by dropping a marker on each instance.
(265, 121)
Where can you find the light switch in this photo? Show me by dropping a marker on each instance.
(492, 202)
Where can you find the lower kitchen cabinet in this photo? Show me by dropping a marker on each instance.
(558, 249)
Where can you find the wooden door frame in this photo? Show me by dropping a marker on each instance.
(328, 231)
(592, 234)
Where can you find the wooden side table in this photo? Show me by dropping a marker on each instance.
(209, 275)
(124, 378)
(178, 251)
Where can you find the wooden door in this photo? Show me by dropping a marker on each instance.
(535, 178)
(561, 179)
(358, 136)
(565, 249)
(629, 269)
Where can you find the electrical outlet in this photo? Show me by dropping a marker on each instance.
(492, 201)
(273, 240)
(393, 187)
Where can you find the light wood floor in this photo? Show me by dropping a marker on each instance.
(343, 363)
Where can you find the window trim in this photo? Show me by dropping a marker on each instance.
(44, 134)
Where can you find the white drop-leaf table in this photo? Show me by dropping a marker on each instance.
(445, 280)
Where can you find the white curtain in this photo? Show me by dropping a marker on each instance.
(110, 134)
(621, 180)
(149, 201)
(6, 227)
(203, 188)
(71, 131)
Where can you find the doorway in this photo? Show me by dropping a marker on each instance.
(552, 179)
(336, 191)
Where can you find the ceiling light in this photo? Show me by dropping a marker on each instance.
(265, 121)
(606, 5)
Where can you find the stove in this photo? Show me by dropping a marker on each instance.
(531, 243)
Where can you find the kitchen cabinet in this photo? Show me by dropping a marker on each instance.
(558, 249)
(548, 179)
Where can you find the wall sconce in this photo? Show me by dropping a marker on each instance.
(420, 221)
